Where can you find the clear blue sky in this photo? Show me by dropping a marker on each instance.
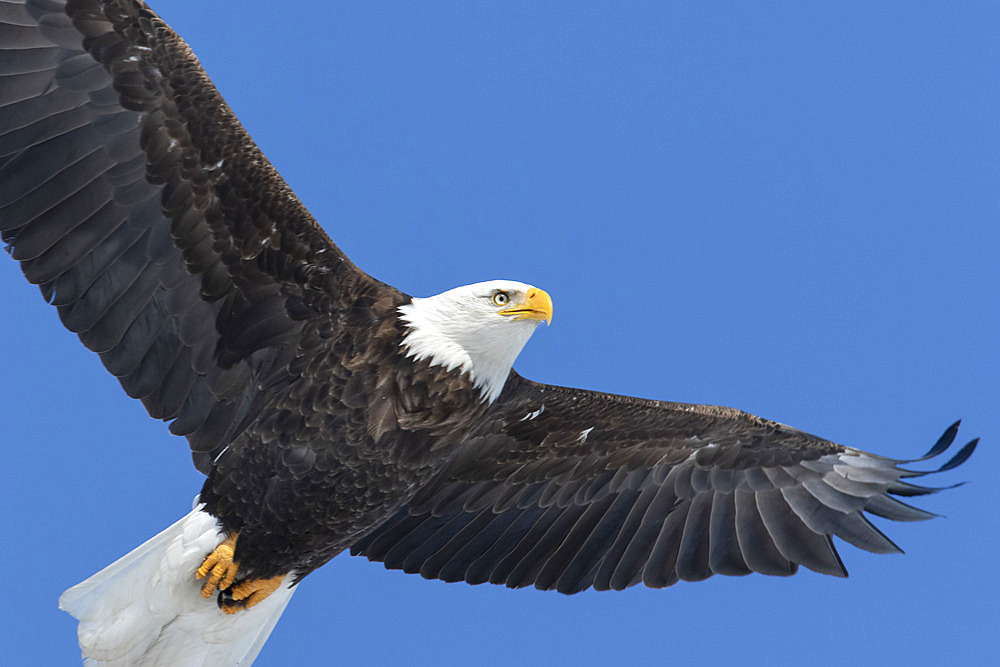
(780, 207)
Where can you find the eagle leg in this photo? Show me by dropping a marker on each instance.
(219, 566)
(248, 593)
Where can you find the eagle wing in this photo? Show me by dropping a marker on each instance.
(134, 198)
(566, 489)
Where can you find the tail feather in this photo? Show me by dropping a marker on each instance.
(146, 608)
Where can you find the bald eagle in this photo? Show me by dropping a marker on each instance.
(332, 412)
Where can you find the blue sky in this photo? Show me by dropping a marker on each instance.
(780, 207)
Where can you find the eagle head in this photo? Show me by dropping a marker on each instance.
(475, 329)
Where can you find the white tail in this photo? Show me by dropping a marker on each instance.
(146, 608)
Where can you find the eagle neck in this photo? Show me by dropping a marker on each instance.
(432, 335)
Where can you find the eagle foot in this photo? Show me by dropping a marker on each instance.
(248, 593)
(219, 567)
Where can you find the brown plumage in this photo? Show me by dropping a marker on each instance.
(134, 198)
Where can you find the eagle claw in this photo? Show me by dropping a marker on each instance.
(248, 593)
(220, 567)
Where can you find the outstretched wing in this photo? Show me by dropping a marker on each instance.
(567, 489)
(133, 196)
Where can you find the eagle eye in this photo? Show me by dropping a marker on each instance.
(501, 299)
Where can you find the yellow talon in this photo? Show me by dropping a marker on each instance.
(220, 567)
(249, 593)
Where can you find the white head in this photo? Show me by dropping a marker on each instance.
(478, 329)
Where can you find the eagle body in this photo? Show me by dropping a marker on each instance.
(340, 448)
(330, 411)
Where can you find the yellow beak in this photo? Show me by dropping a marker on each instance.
(537, 305)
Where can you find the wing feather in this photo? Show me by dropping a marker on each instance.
(436, 566)
(535, 528)
(693, 552)
(658, 565)
(551, 574)
(725, 556)
(756, 545)
(485, 567)
(582, 571)
(464, 555)
(612, 559)
(638, 543)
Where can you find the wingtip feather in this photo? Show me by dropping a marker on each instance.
(943, 442)
(961, 457)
